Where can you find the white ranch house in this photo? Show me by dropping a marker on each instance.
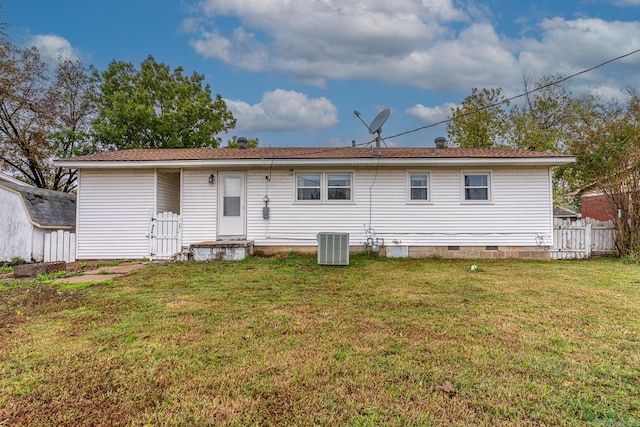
(453, 202)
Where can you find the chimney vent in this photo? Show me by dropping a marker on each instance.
(441, 142)
(242, 143)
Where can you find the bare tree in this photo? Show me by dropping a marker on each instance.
(43, 115)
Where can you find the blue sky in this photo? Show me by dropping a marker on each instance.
(293, 71)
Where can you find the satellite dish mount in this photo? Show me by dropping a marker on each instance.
(376, 126)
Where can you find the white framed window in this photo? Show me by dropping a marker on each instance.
(419, 186)
(324, 187)
(476, 186)
(338, 186)
(308, 186)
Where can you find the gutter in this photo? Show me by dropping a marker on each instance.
(372, 162)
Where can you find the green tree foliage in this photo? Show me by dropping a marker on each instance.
(251, 142)
(43, 115)
(546, 119)
(481, 121)
(608, 160)
(155, 107)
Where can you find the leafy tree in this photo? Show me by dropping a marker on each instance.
(608, 159)
(546, 120)
(155, 107)
(35, 106)
(481, 121)
(251, 143)
(543, 122)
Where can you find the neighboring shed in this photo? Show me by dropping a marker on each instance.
(565, 213)
(26, 214)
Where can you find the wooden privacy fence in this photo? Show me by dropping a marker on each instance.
(60, 246)
(582, 238)
(166, 235)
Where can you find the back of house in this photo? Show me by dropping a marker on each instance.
(416, 202)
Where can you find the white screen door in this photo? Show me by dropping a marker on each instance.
(231, 204)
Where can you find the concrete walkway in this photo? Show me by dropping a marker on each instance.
(104, 273)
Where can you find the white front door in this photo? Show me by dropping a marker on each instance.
(231, 205)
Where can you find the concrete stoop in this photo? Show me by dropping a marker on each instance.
(217, 250)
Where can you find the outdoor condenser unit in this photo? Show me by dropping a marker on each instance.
(333, 248)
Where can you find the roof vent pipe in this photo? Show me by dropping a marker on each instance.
(243, 143)
(441, 142)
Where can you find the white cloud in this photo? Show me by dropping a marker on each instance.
(431, 114)
(330, 39)
(53, 47)
(283, 110)
(623, 3)
(431, 44)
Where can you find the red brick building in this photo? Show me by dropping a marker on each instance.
(596, 205)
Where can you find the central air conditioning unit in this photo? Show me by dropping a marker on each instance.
(333, 248)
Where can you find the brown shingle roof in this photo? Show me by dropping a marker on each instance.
(308, 153)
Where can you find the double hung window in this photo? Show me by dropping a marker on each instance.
(324, 186)
(419, 187)
(477, 186)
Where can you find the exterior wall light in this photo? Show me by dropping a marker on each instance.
(212, 179)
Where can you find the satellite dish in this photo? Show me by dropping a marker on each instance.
(376, 124)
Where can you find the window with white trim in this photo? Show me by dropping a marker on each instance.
(419, 186)
(477, 186)
(324, 186)
(339, 186)
(308, 187)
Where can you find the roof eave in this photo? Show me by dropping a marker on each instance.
(464, 161)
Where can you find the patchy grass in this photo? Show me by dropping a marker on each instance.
(6, 269)
(285, 341)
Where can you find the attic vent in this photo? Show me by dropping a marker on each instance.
(333, 248)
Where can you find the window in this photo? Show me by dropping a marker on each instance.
(476, 186)
(324, 186)
(309, 187)
(339, 186)
(419, 187)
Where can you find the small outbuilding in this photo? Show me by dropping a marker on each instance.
(27, 213)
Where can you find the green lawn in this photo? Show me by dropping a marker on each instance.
(283, 341)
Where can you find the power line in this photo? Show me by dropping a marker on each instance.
(495, 104)
(504, 101)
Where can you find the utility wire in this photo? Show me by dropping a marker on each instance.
(486, 107)
(504, 101)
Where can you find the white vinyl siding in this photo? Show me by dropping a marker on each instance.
(114, 212)
(168, 187)
(513, 218)
(198, 206)
(114, 209)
